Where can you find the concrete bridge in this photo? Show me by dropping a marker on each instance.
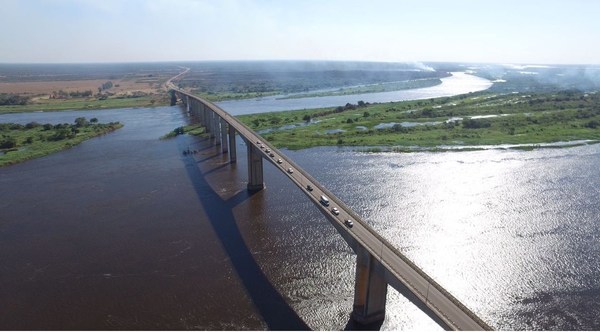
(378, 263)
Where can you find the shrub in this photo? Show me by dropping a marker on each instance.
(8, 142)
(32, 125)
(476, 124)
(593, 124)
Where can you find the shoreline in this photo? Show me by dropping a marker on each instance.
(33, 143)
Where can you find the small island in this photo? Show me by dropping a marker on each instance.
(23, 142)
(469, 120)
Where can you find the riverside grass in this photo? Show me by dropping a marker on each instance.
(51, 105)
(467, 120)
(369, 88)
(38, 141)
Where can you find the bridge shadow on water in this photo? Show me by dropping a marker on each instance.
(352, 325)
(273, 308)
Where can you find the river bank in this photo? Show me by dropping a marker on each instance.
(19, 143)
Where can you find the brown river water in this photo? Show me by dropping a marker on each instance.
(126, 232)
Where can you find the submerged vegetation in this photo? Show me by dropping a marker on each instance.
(466, 120)
(195, 130)
(22, 142)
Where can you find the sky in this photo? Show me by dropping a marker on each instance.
(489, 31)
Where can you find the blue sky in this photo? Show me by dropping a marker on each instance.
(499, 31)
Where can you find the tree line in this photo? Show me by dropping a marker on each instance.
(12, 99)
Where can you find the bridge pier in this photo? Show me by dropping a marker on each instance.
(223, 135)
(370, 289)
(217, 124)
(255, 168)
(211, 123)
(232, 152)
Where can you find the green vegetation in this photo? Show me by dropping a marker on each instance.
(195, 130)
(86, 103)
(23, 142)
(221, 96)
(372, 88)
(473, 119)
(12, 99)
(217, 81)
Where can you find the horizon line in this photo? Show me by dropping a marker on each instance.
(292, 60)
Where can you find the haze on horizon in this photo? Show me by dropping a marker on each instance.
(496, 31)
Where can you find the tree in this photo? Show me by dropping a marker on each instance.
(81, 122)
(475, 124)
(8, 142)
(593, 124)
(306, 118)
(32, 125)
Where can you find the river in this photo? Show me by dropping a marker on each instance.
(456, 84)
(125, 232)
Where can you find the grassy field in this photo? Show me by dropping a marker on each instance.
(221, 96)
(217, 81)
(19, 143)
(372, 88)
(474, 119)
(85, 86)
(86, 103)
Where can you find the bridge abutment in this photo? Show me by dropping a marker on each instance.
(255, 169)
(370, 289)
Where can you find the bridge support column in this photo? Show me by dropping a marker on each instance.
(370, 289)
(211, 123)
(203, 118)
(255, 169)
(232, 152)
(187, 104)
(223, 136)
(217, 120)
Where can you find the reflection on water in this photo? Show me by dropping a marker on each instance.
(125, 232)
(512, 234)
